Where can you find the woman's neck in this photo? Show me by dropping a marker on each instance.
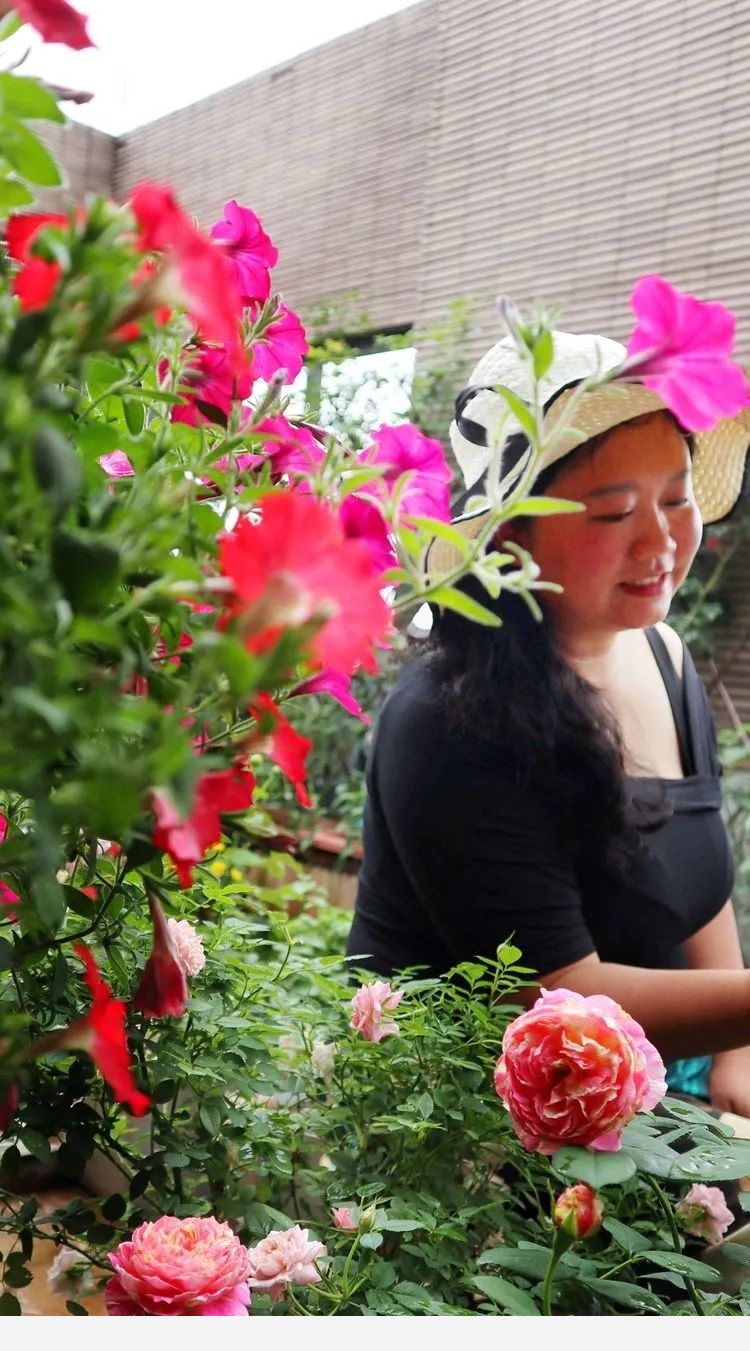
(597, 657)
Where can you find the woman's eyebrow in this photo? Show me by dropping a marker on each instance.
(608, 488)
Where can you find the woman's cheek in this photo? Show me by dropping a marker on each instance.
(687, 534)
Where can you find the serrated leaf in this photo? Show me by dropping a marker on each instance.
(505, 1294)
(531, 1262)
(736, 1252)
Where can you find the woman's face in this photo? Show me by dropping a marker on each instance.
(621, 560)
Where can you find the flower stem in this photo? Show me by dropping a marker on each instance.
(674, 1231)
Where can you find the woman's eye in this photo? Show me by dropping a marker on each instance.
(682, 502)
(614, 516)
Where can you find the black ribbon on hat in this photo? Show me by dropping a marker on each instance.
(471, 431)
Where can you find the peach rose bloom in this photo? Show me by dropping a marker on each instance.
(704, 1212)
(284, 1257)
(369, 1006)
(575, 1070)
(179, 1268)
(188, 944)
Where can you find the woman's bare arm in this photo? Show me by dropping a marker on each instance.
(684, 1013)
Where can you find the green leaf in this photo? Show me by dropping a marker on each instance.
(625, 1237)
(13, 195)
(87, 569)
(9, 1306)
(6, 955)
(372, 1240)
(543, 506)
(394, 1226)
(37, 1144)
(77, 1310)
(722, 1161)
(520, 410)
(114, 1207)
(506, 1295)
(134, 415)
(531, 1262)
(26, 98)
(210, 1117)
(508, 954)
(599, 1168)
(26, 153)
(736, 1252)
(57, 469)
(425, 1106)
(464, 605)
(544, 353)
(684, 1266)
(622, 1292)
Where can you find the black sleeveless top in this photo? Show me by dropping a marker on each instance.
(462, 851)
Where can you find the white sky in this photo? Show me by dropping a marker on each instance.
(154, 56)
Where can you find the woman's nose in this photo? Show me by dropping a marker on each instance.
(654, 535)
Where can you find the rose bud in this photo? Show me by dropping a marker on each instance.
(578, 1211)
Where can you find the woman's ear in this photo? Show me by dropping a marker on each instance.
(516, 531)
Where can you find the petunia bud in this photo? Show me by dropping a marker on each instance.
(162, 990)
(578, 1211)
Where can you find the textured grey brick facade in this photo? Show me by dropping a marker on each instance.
(551, 149)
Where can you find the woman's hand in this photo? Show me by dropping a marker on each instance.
(729, 1084)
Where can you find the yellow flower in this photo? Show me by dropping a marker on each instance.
(218, 867)
(235, 874)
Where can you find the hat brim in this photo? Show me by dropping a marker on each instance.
(718, 461)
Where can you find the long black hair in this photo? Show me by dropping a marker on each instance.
(512, 683)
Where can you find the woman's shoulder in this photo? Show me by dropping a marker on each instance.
(674, 645)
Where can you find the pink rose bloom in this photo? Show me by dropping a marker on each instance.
(404, 449)
(284, 1257)
(362, 520)
(703, 1211)
(575, 1070)
(179, 1268)
(369, 1005)
(282, 346)
(343, 1218)
(249, 250)
(188, 944)
(681, 348)
(116, 464)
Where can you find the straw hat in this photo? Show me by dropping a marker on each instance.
(718, 456)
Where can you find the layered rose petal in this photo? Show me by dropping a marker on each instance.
(188, 944)
(575, 1070)
(370, 1006)
(579, 1211)
(179, 1267)
(284, 1257)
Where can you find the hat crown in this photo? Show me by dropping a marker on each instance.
(577, 356)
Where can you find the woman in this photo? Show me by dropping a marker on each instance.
(558, 782)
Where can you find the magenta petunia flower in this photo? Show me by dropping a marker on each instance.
(405, 449)
(249, 250)
(681, 348)
(364, 521)
(282, 346)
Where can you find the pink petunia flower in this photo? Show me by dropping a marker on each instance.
(370, 1005)
(704, 1212)
(249, 249)
(364, 521)
(339, 688)
(171, 1267)
(406, 450)
(211, 387)
(116, 464)
(282, 346)
(681, 348)
(290, 450)
(284, 1257)
(575, 1070)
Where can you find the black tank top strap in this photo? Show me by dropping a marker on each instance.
(676, 693)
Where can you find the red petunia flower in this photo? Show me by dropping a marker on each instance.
(54, 21)
(249, 249)
(102, 1035)
(187, 839)
(195, 271)
(294, 567)
(35, 283)
(163, 989)
(284, 745)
